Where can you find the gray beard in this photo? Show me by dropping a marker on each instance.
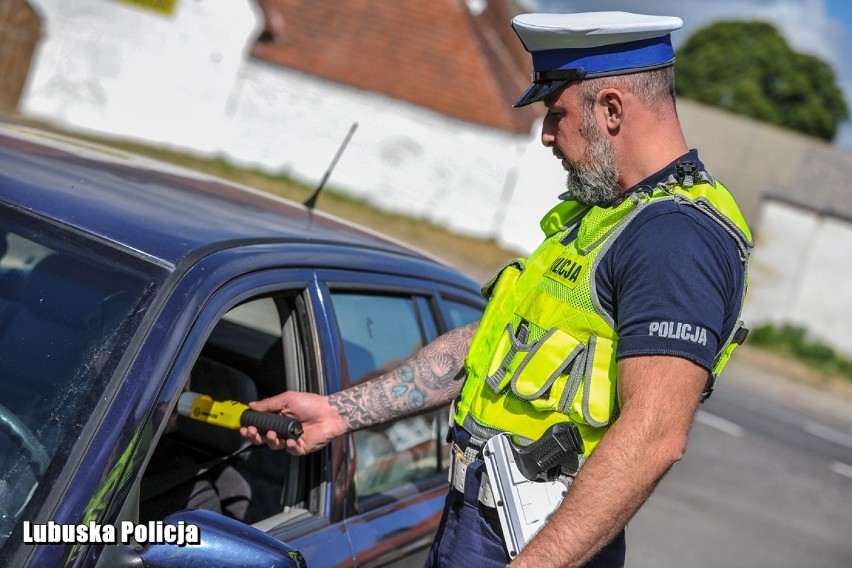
(593, 180)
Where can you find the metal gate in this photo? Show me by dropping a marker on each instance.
(20, 29)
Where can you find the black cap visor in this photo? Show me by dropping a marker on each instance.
(537, 91)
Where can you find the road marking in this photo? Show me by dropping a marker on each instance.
(827, 433)
(718, 423)
(841, 468)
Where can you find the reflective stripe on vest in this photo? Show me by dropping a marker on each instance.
(545, 350)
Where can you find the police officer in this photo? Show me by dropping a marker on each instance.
(618, 323)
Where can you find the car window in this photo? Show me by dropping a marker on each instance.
(260, 314)
(200, 465)
(460, 314)
(378, 332)
(68, 310)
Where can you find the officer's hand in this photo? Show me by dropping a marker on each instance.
(320, 422)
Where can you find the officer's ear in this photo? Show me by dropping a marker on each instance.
(609, 106)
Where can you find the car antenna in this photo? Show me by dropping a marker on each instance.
(312, 200)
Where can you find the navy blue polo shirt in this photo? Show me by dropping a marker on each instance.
(672, 281)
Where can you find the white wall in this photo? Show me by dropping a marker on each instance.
(187, 81)
(111, 67)
(801, 273)
(402, 158)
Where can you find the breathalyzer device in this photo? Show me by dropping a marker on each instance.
(232, 415)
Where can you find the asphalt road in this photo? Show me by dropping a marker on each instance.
(766, 482)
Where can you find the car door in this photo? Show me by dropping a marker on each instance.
(398, 470)
(298, 329)
(255, 337)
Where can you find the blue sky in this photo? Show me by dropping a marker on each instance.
(820, 27)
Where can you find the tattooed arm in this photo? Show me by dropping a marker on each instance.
(431, 378)
(427, 380)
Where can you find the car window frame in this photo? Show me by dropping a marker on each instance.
(331, 281)
(190, 305)
(394, 508)
(298, 528)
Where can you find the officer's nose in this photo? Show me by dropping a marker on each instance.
(548, 133)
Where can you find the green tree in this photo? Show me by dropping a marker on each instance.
(748, 68)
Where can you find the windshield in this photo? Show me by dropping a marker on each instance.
(68, 309)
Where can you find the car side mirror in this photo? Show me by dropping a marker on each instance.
(222, 541)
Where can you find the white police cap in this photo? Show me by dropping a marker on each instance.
(572, 47)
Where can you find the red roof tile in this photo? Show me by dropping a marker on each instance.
(432, 53)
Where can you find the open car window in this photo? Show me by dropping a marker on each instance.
(256, 350)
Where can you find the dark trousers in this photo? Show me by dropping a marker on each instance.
(470, 535)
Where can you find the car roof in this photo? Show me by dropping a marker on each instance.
(163, 212)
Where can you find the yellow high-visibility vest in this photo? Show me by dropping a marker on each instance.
(544, 353)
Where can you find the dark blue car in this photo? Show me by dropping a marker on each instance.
(123, 284)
